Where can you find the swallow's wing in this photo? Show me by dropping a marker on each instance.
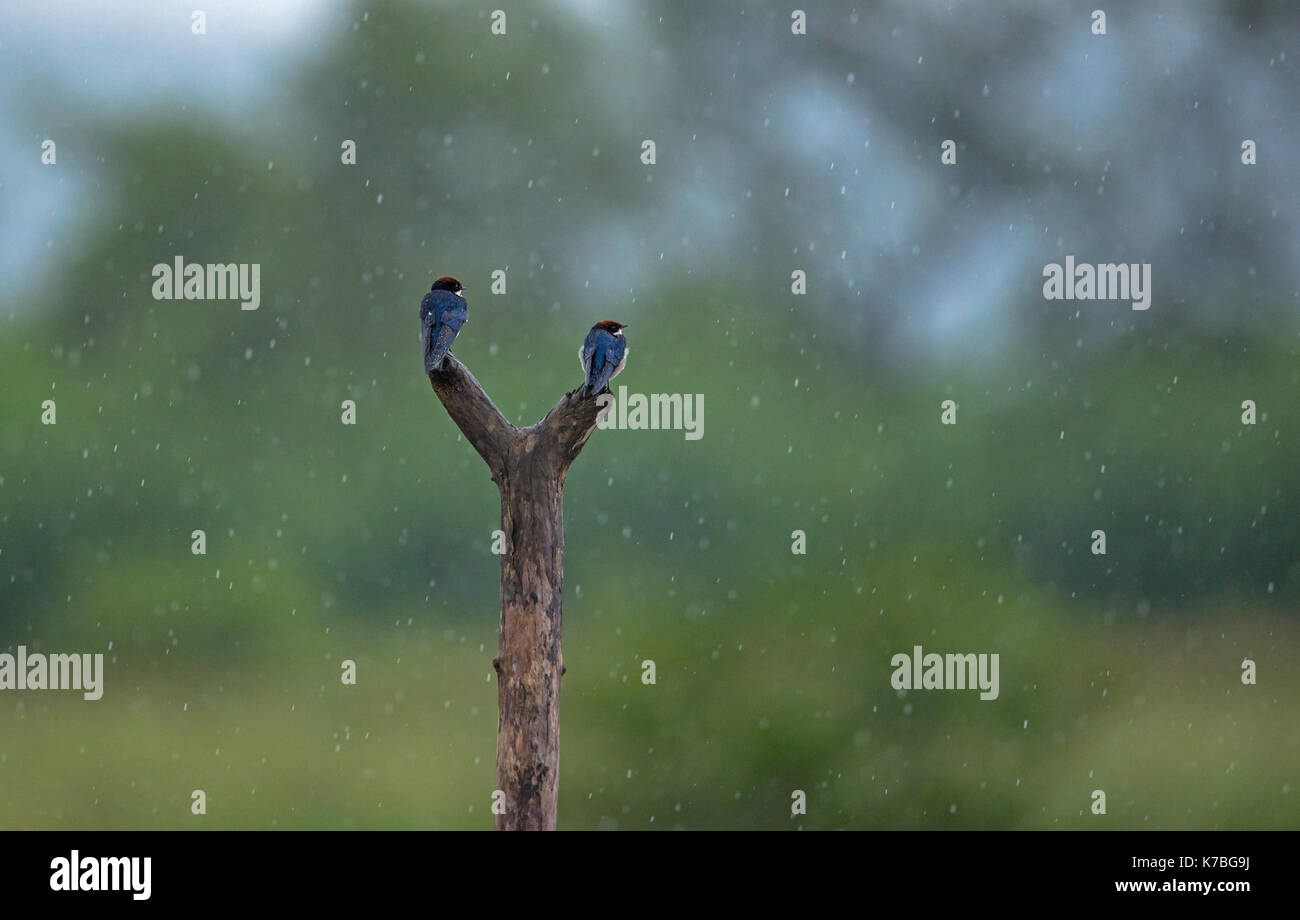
(602, 368)
(428, 307)
(456, 315)
(617, 356)
(432, 333)
(427, 322)
(443, 335)
(587, 352)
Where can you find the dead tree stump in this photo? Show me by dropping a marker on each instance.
(528, 465)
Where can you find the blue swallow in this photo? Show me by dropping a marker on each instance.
(442, 312)
(603, 355)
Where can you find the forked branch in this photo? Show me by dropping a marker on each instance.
(529, 466)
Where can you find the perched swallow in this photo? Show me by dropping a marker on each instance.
(442, 312)
(603, 354)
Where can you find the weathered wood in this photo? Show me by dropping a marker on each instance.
(475, 415)
(529, 466)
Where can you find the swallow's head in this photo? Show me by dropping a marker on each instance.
(611, 327)
(448, 283)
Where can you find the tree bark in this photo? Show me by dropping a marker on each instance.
(529, 466)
